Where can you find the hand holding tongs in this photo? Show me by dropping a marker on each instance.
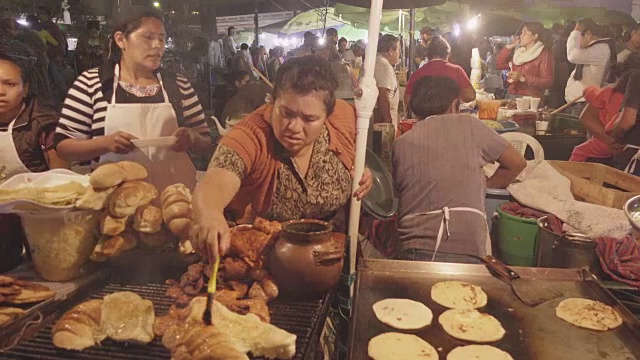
(211, 291)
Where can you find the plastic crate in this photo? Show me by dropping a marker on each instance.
(561, 122)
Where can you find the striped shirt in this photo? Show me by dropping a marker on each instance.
(85, 109)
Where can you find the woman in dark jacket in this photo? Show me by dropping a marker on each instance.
(531, 64)
(27, 126)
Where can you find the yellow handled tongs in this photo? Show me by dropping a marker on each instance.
(211, 291)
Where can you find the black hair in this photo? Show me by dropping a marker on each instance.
(45, 10)
(622, 71)
(557, 28)
(244, 46)
(537, 28)
(331, 32)
(569, 26)
(426, 30)
(438, 48)
(229, 30)
(238, 75)
(20, 56)
(305, 75)
(127, 21)
(33, 22)
(433, 95)
(386, 43)
(308, 35)
(343, 40)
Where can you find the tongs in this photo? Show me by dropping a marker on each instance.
(211, 291)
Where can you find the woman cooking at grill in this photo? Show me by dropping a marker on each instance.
(27, 126)
(438, 170)
(132, 98)
(531, 64)
(290, 159)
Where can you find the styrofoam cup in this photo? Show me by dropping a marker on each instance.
(522, 104)
(534, 103)
(541, 127)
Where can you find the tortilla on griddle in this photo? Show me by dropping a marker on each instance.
(471, 325)
(588, 314)
(458, 295)
(478, 352)
(394, 346)
(403, 314)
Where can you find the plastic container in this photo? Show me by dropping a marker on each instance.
(517, 239)
(61, 243)
(492, 200)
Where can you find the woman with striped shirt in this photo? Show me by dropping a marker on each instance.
(131, 98)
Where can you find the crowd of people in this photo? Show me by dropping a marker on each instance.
(291, 157)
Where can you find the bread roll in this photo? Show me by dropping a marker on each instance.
(130, 240)
(129, 197)
(113, 246)
(111, 226)
(133, 171)
(176, 211)
(107, 176)
(174, 198)
(95, 198)
(79, 328)
(98, 254)
(148, 219)
(176, 189)
(181, 227)
(157, 239)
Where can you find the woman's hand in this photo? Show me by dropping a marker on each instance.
(366, 183)
(186, 139)
(118, 142)
(514, 43)
(211, 237)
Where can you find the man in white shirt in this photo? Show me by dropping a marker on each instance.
(355, 55)
(229, 44)
(389, 95)
(593, 53)
(633, 45)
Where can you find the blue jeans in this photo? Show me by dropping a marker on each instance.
(426, 255)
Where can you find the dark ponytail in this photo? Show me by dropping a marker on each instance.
(127, 21)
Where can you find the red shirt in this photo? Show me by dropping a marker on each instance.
(440, 68)
(607, 100)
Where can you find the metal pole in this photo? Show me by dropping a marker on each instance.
(412, 41)
(256, 31)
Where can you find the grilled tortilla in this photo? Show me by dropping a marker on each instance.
(458, 295)
(471, 325)
(588, 314)
(403, 314)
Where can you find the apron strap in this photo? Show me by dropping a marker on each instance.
(631, 166)
(116, 81)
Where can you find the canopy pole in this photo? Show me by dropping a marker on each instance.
(365, 103)
(412, 41)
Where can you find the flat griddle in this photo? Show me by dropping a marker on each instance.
(531, 333)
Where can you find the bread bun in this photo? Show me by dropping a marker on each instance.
(174, 198)
(107, 176)
(113, 246)
(129, 197)
(176, 211)
(95, 198)
(148, 219)
(133, 171)
(111, 226)
(181, 227)
(130, 240)
(157, 239)
(176, 189)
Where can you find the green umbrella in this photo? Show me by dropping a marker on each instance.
(312, 20)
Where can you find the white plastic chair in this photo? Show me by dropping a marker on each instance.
(520, 141)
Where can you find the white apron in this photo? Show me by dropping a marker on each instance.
(9, 158)
(147, 121)
(631, 166)
(444, 224)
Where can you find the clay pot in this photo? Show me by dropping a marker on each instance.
(307, 258)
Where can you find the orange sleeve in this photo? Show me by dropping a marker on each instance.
(342, 126)
(596, 96)
(248, 139)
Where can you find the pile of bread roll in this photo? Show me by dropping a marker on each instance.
(129, 214)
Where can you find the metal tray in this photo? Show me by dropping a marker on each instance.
(531, 333)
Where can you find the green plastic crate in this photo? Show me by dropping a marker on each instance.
(561, 122)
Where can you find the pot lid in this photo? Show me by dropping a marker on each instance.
(381, 201)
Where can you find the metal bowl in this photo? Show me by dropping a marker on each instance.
(630, 208)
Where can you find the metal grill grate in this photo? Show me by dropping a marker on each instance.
(299, 318)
